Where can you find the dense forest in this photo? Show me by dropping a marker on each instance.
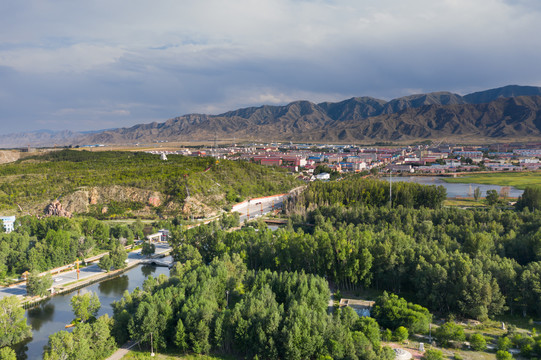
(41, 178)
(224, 307)
(472, 263)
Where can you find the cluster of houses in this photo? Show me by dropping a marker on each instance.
(409, 159)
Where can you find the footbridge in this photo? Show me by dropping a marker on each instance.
(164, 262)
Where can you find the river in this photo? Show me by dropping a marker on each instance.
(455, 189)
(52, 315)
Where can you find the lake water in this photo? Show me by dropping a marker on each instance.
(53, 315)
(455, 189)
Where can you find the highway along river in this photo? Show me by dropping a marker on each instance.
(53, 315)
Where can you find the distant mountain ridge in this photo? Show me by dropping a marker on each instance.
(508, 113)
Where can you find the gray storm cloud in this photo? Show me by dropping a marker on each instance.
(100, 64)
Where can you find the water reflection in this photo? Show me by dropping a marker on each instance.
(40, 315)
(117, 287)
(458, 189)
(21, 349)
(148, 270)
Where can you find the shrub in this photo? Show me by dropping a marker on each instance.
(432, 354)
(478, 342)
(503, 355)
(504, 343)
(387, 335)
(449, 332)
(401, 333)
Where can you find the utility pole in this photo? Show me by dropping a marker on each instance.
(151, 346)
(390, 189)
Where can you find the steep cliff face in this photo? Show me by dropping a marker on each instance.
(80, 200)
(8, 156)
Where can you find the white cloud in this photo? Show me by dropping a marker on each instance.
(75, 58)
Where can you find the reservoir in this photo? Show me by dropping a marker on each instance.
(55, 313)
(455, 189)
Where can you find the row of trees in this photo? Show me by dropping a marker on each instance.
(42, 244)
(357, 191)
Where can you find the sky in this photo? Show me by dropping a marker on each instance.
(100, 64)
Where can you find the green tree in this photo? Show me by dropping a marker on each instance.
(401, 334)
(449, 332)
(180, 336)
(85, 306)
(148, 249)
(105, 263)
(478, 342)
(37, 285)
(87, 341)
(492, 197)
(61, 345)
(504, 343)
(7, 353)
(391, 312)
(118, 257)
(13, 326)
(432, 354)
(477, 193)
(531, 198)
(370, 328)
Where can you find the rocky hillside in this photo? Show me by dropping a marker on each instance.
(507, 113)
(511, 112)
(112, 184)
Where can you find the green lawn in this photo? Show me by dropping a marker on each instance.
(519, 180)
(464, 203)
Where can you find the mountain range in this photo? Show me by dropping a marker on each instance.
(510, 113)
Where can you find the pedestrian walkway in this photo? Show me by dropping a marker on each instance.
(119, 354)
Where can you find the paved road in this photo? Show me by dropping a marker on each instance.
(254, 207)
(85, 272)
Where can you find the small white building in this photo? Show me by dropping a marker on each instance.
(9, 223)
(323, 176)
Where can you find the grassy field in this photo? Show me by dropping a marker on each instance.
(519, 180)
(464, 203)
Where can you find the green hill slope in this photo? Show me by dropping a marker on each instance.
(86, 181)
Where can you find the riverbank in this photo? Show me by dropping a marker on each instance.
(54, 313)
(33, 301)
(94, 276)
(519, 180)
